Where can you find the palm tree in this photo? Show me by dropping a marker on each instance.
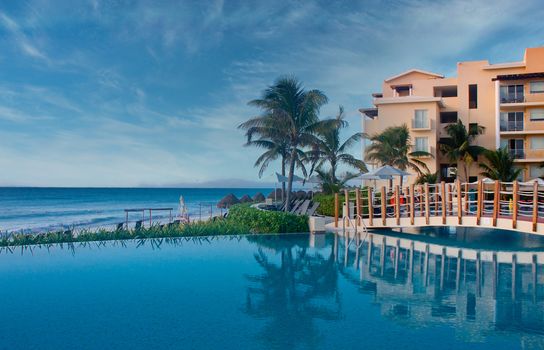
(272, 140)
(330, 183)
(393, 147)
(329, 148)
(429, 178)
(458, 146)
(499, 166)
(293, 114)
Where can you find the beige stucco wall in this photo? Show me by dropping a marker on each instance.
(486, 113)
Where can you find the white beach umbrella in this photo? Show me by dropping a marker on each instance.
(182, 207)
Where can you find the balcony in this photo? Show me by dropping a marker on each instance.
(513, 98)
(507, 126)
(517, 153)
(421, 125)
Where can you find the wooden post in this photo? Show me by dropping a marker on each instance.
(126, 219)
(466, 197)
(358, 204)
(412, 203)
(384, 205)
(444, 194)
(150, 218)
(515, 204)
(370, 208)
(459, 203)
(535, 205)
(496, 203)
(450, 198)
(397, 204)
(427, 203)
(336, 204)
(479, 203)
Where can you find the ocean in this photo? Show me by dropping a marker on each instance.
(32, 209)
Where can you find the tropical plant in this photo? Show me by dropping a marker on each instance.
(292, 112)
(330, 150)
(393, 147)
(499, 166)
(330, 183)
(430, 178)
(458, 147)
(272, 139)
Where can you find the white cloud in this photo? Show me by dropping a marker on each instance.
(25, 44)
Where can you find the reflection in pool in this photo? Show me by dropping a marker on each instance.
(286, 291)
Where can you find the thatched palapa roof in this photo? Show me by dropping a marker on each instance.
(227, 201)
(259, 197)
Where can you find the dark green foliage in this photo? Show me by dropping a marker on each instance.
(430, 178)
(500, 166)
(326, 202)
(242, 219)
(260, 221)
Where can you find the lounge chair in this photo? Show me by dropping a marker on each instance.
(311, 211)
(303, 208)
(119, 226)
(138, 225)
(297, 205)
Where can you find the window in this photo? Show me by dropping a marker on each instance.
(448, 117)
(422, 144)
(537, 114)
(537, 142)
(536, 171)
(516, 148)
(511, 121)
(512, 93)
(536, 86)
(448, 172)
(421, 121)
(473, 96)
(473, 128)
(403, 90)
(472, 179)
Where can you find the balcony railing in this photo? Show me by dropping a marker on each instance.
(517, 153)
(512, 98)
(421, 124)
(512, 125)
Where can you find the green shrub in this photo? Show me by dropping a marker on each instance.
(260, 221)
(242, 219)
(326, 202)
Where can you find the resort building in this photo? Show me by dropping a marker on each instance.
(507, 99)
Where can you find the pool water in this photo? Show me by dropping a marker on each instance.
(267, 292)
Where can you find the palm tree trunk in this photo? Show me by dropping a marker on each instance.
(466, 171)
(283, 174)
(290, 179)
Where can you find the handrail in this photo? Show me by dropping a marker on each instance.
(485, 200)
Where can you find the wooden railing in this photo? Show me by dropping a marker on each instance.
(493, 201)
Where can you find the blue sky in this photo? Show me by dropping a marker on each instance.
(140, 93)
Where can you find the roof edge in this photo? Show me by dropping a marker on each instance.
(414, 71)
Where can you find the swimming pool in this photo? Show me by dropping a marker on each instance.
(276, 292)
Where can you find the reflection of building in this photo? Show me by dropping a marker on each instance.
(477, 291)
(507, 99)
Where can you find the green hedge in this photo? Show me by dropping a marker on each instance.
(260, 221)
(242, 219)
(326, 202)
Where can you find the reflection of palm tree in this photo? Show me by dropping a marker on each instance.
(292, 294)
